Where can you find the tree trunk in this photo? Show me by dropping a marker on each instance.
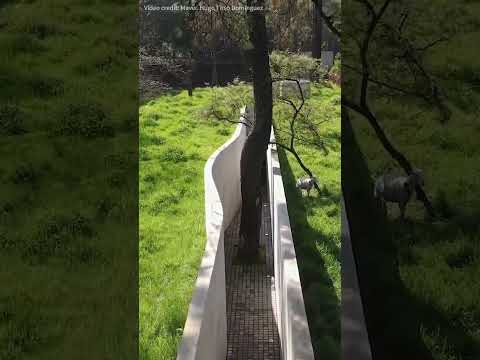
(376, 260)
(253, 154)
(214, 80)
(317, 31)
(190, 76)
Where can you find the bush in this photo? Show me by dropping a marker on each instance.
(290, 65)
(226, 102)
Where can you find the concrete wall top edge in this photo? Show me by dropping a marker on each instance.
(295, 333)
(204, 334)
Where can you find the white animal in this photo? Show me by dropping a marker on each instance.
(398, 189)
(306, 183)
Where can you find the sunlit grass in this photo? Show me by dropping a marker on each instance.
(67, 219)
(315, 222)
(175, 142)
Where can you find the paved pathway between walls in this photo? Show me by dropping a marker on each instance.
(252, 332)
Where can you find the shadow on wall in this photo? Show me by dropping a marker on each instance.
(321, 302)
(393, 316)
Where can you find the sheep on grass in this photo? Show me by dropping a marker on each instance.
(306, 183)
(398, 189)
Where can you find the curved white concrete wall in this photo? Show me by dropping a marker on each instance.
(293, 325)
(205, 331)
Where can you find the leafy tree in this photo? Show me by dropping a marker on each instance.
(163, 31)
(287, 26)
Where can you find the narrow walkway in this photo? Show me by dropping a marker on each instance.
(252, 332)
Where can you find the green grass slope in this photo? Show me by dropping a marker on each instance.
(68, 219)
(315, 222)
(174, 146)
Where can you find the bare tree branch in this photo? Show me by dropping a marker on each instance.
(363, 108)
(299, 160)
(433, 43)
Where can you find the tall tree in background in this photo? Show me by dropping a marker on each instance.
(253, 154)
(287, 25)
(317, 30)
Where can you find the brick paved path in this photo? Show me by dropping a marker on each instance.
(252, 332)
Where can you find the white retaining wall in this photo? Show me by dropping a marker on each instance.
(355, 341)
(293, 325)
(205, 331)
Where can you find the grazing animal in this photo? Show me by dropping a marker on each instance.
(398, 189)
(306, 183)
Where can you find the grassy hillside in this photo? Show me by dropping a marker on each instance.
(315, 222)
(68, 186)
(175, 143)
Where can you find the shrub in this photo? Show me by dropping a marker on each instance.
(226, 102)
(290, 65)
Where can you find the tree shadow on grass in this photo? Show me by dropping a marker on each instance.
(393, 315)
(312, 204)
(321, 302)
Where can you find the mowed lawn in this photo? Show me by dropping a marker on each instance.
(315, 221)
(175, 143)
(439, 262)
